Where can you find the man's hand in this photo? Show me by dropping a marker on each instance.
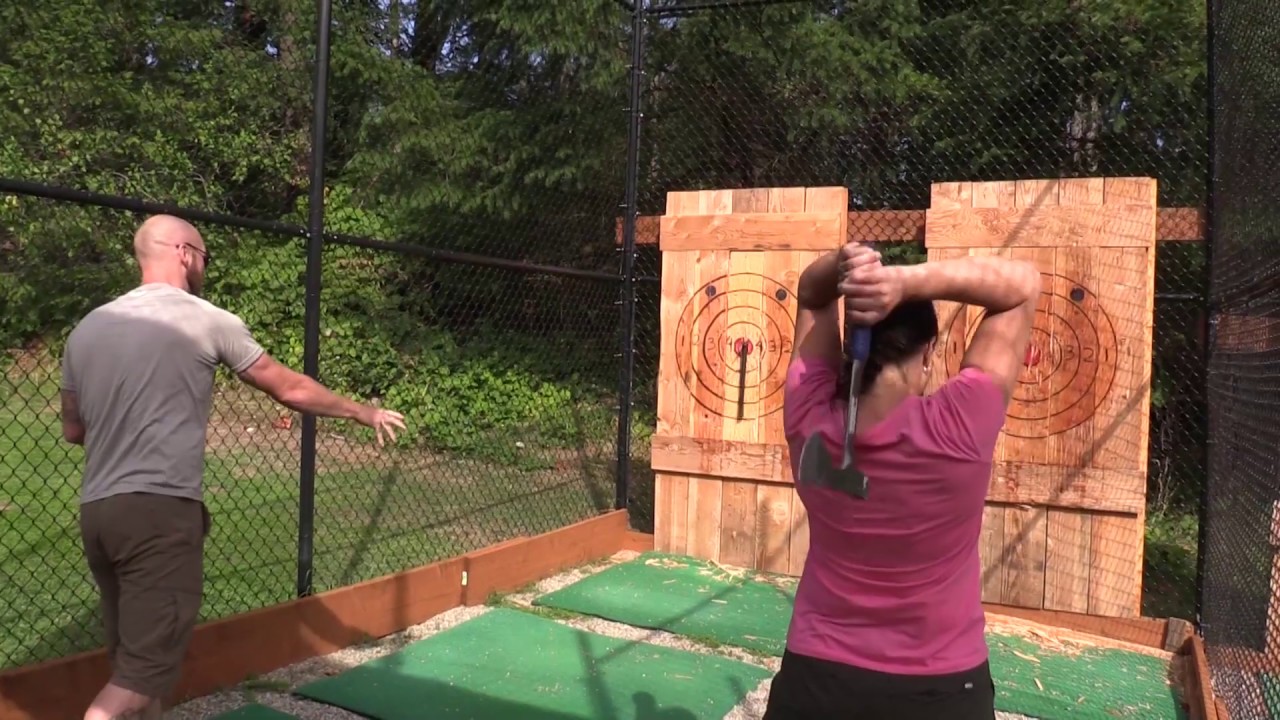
(871, 290)
(382, 421)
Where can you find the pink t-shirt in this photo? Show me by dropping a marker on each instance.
(893, 583)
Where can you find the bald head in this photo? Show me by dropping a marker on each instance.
(170, 250)
(161, 235)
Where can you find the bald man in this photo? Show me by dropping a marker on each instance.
(137, 388)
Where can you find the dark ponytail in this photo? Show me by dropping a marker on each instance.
(902, 333)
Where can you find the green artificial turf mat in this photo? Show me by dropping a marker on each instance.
(1083, 683)
(512, 664)
(702, 601)
(254, 712)
(688, 597)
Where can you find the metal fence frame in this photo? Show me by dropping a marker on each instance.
(627, 279)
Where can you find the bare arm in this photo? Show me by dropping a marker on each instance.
(72, 423)
(1008, 289)
(818, 315)
(299, 392)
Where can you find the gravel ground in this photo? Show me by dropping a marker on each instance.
(273, 689)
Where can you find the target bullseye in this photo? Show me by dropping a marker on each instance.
(1068, 367)
(744, 361)
(1033, 356)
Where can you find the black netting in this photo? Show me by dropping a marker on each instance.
(1239, 612)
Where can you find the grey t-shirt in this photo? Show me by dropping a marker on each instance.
(142, 369)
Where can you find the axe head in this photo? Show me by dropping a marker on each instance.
(818, 469)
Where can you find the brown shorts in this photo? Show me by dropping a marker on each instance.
(146, 553)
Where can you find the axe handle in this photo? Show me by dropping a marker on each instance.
(859, 344)
(859, 349)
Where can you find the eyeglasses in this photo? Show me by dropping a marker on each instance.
(204, 254)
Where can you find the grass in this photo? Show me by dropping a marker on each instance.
(376, 512)
(1169, 567)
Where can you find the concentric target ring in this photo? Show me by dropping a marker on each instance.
(1070, 364)
(764, 327)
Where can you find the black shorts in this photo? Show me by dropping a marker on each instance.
(807, 688)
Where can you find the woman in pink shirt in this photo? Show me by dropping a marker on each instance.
(888, 619)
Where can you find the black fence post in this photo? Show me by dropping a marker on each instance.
(630, 191)
(311, 327)
(1210, 320)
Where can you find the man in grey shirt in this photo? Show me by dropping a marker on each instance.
(137, 388)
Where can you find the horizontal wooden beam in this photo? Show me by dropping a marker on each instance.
(1080, 226)
(1016, 483)
(224, 652)
(1011, 483)
(1178, 224)
(721, 458)
(754, 231)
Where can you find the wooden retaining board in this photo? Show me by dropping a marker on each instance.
(1063, 527)
(731, 264)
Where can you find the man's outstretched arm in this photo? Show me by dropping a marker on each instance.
(302, 394)
(299, 392)
(245, 357)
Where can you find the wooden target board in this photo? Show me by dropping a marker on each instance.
(1063, 527)
(731, 260)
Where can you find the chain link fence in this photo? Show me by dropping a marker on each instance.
(470, 175)
(1239, 611)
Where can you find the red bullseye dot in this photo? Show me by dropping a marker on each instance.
(742, 346)
(1033, 356)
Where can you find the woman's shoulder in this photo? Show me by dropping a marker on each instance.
(966, 413)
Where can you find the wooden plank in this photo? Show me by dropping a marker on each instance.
(1177, 633)
(991, 551)
(1138, 630)
(1085, 358)
(636, 541)
(1029, 403)
(1198, 684)
(1114, 588)
(1123, 286)
(1107, 226)
(1173, 224)
(799, 536)
(1025, 538)
(816, 200)
(671, 512)
(737, 523)
(675, 403)
(742, 346)
(774, 506)
(775, 503)
(1066, 584)
(755, 231)
(722, 458)
(1040, 632)
(510, 566)
(706, 495)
